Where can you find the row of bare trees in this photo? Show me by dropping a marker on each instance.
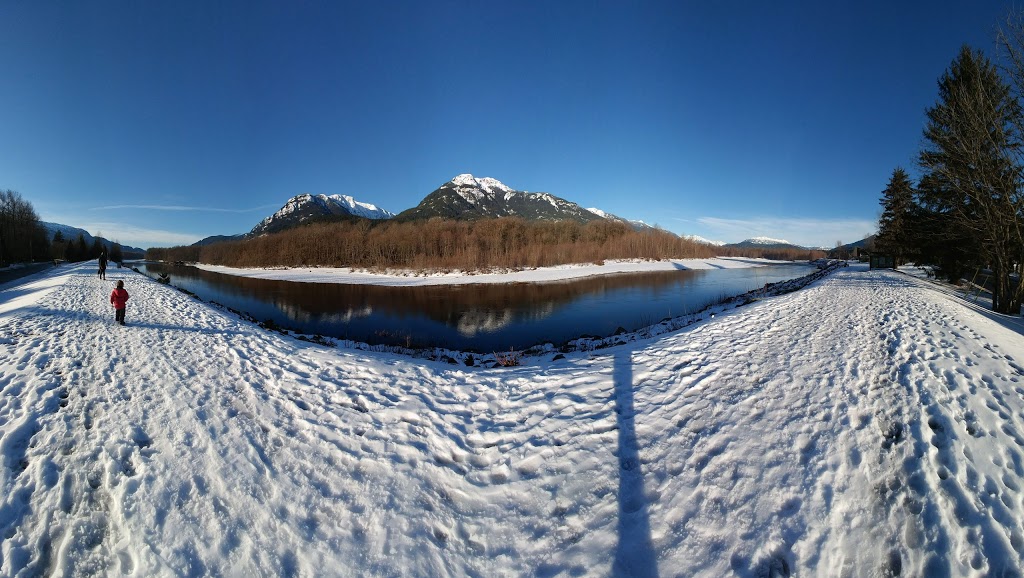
(445, 245)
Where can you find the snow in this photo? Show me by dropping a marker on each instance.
(611, 217)
(465, 180)
(551, 199)
(494, 185)
(346, 202)
(767, 241)
(869, 424)
(699, 239)
(292, 205)
(350, 276)
(358, 208)
(487, 184)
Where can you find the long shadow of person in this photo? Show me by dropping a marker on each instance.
(634, 554)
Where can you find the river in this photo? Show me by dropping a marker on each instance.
(482, 318)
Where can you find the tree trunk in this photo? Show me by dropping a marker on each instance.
(1001, 297)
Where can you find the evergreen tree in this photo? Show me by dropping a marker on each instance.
(116, 255)
(96, 249)
(40, 244)
(939, 235)
(974, 182)
(894, 228)
(83, 248)
(71, 252)
(58, 246)
(78, 250)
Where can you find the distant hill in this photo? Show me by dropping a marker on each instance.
(71, 234)
(637, 225)
(699, 239)
(467, 197)
(864, 243)
(308, 208)
(217, 239)
(764, 243)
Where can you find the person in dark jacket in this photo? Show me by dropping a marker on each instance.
(103, 264)
(119, 299)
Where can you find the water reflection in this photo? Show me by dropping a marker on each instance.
(478, 321)
(475, 317)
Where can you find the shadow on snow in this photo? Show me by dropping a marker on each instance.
(634, 554)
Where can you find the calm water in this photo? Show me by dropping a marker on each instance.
(481, 318)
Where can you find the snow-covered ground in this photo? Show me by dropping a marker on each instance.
(538, 275)
(867, 425)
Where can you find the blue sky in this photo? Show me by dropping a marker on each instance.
(159, 123)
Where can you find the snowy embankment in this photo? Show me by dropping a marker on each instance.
(866, 425)
(539, 275)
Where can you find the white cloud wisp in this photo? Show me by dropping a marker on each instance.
(182, 208)
(803, 232)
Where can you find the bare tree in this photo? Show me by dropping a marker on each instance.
(444, 244)
(20, 231)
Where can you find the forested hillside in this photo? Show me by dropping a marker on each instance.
(440, 244)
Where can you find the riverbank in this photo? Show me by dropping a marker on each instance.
(349, 276)
(867, 424)
(15, 272)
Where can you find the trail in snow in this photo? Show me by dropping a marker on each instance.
(866, 425)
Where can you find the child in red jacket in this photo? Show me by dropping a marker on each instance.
(119, 298)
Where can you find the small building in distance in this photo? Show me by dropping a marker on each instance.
(881, 261)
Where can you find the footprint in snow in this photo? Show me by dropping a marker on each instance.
(855, 457)
(1010, 431)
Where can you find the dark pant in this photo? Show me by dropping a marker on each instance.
(119, 315)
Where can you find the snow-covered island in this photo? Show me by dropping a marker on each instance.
(407, 278)
(869, 424)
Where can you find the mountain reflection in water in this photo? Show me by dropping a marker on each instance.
(475, 317)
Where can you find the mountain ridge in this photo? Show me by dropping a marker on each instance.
(765, 243)
(464, 197)
(71, 234)
(467, 197)
(637, 225)
(307, 207)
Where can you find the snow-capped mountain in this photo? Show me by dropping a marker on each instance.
(306, 208)
(637, 225)
(699, 239)
(764, 243)
(468, 197)
(767, 241)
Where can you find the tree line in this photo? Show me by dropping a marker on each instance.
(74, 250)
(965, 214)
(23, 239)
(447, 245)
